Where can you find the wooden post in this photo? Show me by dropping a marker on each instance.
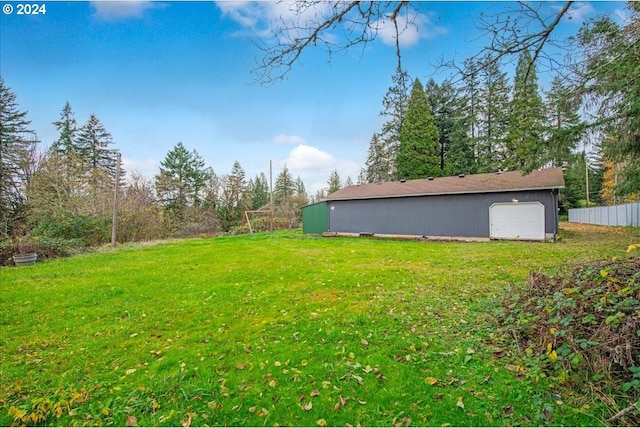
(270, 196)
(114, 220)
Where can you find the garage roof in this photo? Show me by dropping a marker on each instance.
(551, 178)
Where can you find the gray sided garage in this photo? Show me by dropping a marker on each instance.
(507, 205)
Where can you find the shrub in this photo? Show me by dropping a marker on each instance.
(90, 230)
(584, 319)
(46, 248)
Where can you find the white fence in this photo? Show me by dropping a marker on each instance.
(615, 215)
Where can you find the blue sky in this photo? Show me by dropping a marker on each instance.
(156, 73)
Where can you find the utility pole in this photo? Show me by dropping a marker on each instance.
(586, 170)
(270, 195)
(116, 190)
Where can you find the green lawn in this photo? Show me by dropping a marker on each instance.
(280, 329)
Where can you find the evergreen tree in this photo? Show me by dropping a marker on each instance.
(284, 186)
(444, 102)
(348, 182)
(182, 179)
(17, 143)
(564, 127)
(234, 198)
(300, 189)
(378, 162)
(524, 139)
(92, 144)
(493, 121)
(68, 129)
(460, 158)
(334, 182)
(471, 95)
(611, 72)
(394, 106)
(259, 190)
(362, 176)
(574, 193)
(418, 154)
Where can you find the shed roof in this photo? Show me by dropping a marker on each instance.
(551, 178)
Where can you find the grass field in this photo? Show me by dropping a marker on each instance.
(280, 329)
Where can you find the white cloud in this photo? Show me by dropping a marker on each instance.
(259, 17)
(578, 12)
(119, 10)
(308, 157)
(147, 168)
(263, 17)
(288, 139)
(411, 29)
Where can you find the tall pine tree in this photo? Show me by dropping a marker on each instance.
(471, 96)
(67, 126)
(234, 198)
(17, 143)
(611, 72)
(284, 186)
(181, 180)
(444, 101)
(334, 182)
(564, 127)
(418, 153)
(394, 105)
(525, 137)
(93, 146)
(493, 121)
(259, 190)
(378, 162)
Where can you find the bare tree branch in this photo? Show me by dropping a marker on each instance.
(525, 28)
(331, 26)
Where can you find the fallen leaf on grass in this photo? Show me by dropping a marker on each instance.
(307, 406)
(132, 421)
(186, 423)
(405, 422)
(321, 422)
(341, 403)
(130, 371)
(431, 380)
(514, 368)
(507, 410)
(460, 403)
(315, 393)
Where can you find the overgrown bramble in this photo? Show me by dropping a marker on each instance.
(584, 318)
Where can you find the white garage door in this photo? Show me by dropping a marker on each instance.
(517, 220)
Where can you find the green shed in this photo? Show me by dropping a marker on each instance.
(315, 218)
